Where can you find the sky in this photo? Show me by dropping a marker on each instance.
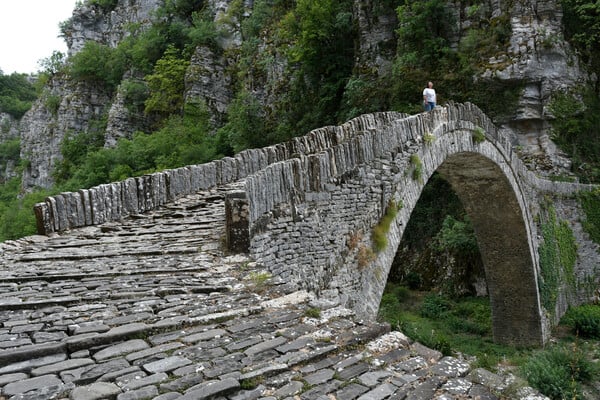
(29, 32)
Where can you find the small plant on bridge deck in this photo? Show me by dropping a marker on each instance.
(478, 135)
(417, 173)
(380, 231)
(259, 280)
(313, 313)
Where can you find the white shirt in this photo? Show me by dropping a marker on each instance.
(429, 95)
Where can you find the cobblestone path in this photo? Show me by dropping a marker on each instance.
(151, 308)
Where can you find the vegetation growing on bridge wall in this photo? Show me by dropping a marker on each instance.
(590, 202)
(417, 164)
(558, 253)
(478, 135)
(380, 231)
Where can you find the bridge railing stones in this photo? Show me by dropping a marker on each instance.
(114, 201)
(289, 180)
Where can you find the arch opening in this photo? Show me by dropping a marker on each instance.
(502, 233)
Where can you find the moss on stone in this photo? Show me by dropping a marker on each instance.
(558, 254)
(590, 202)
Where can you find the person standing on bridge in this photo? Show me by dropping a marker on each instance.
(429, 97)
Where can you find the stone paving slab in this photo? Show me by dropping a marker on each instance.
(153, 308)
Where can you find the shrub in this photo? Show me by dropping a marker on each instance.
(135, 94)
(98, 63)
(558, 372)
(380, 231)
(428, 138)
(52, 103)
(590, 202)
(434, 306)
(313, 313)
(584, 320)
(417, 172)
(478, 135)
(10, 150)
(167, 84)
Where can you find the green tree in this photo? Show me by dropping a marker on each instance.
(245, 127)
(99, 64)
(321, 54)
(582, 28)
(16, 94)
(167, 84)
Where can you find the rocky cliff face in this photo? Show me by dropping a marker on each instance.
(8, 131)
(537, 56)
(93, 23)
(64, 108)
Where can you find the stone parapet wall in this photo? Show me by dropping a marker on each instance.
(308, 214)
(113, 201)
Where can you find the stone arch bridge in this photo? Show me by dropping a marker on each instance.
(305, 209)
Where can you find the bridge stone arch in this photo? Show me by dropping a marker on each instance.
(314, 228)
(493, 196)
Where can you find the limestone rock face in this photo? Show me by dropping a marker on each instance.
(92, 23)
(540, 58)
(207, 81)
(65, 107)
(8, 130)
(68, 107)
(376, 40)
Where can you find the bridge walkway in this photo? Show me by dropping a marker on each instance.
(151, 307)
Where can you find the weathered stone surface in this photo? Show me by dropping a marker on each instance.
(167, 364)
(121, 349)
(95, 391)
(30, 384)
(211, 388)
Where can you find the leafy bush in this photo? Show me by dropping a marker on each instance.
(434, 306)
(417, 164)
(98, 63)
(582, 29)
(16, 218)
(136, 93)
(16, 94)
(558, 372)
(167, 84)
(457, 237)
(478, 135)
(380, 231)
(10, 150)
(575, 130)
(584, 320)
(183, 140)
